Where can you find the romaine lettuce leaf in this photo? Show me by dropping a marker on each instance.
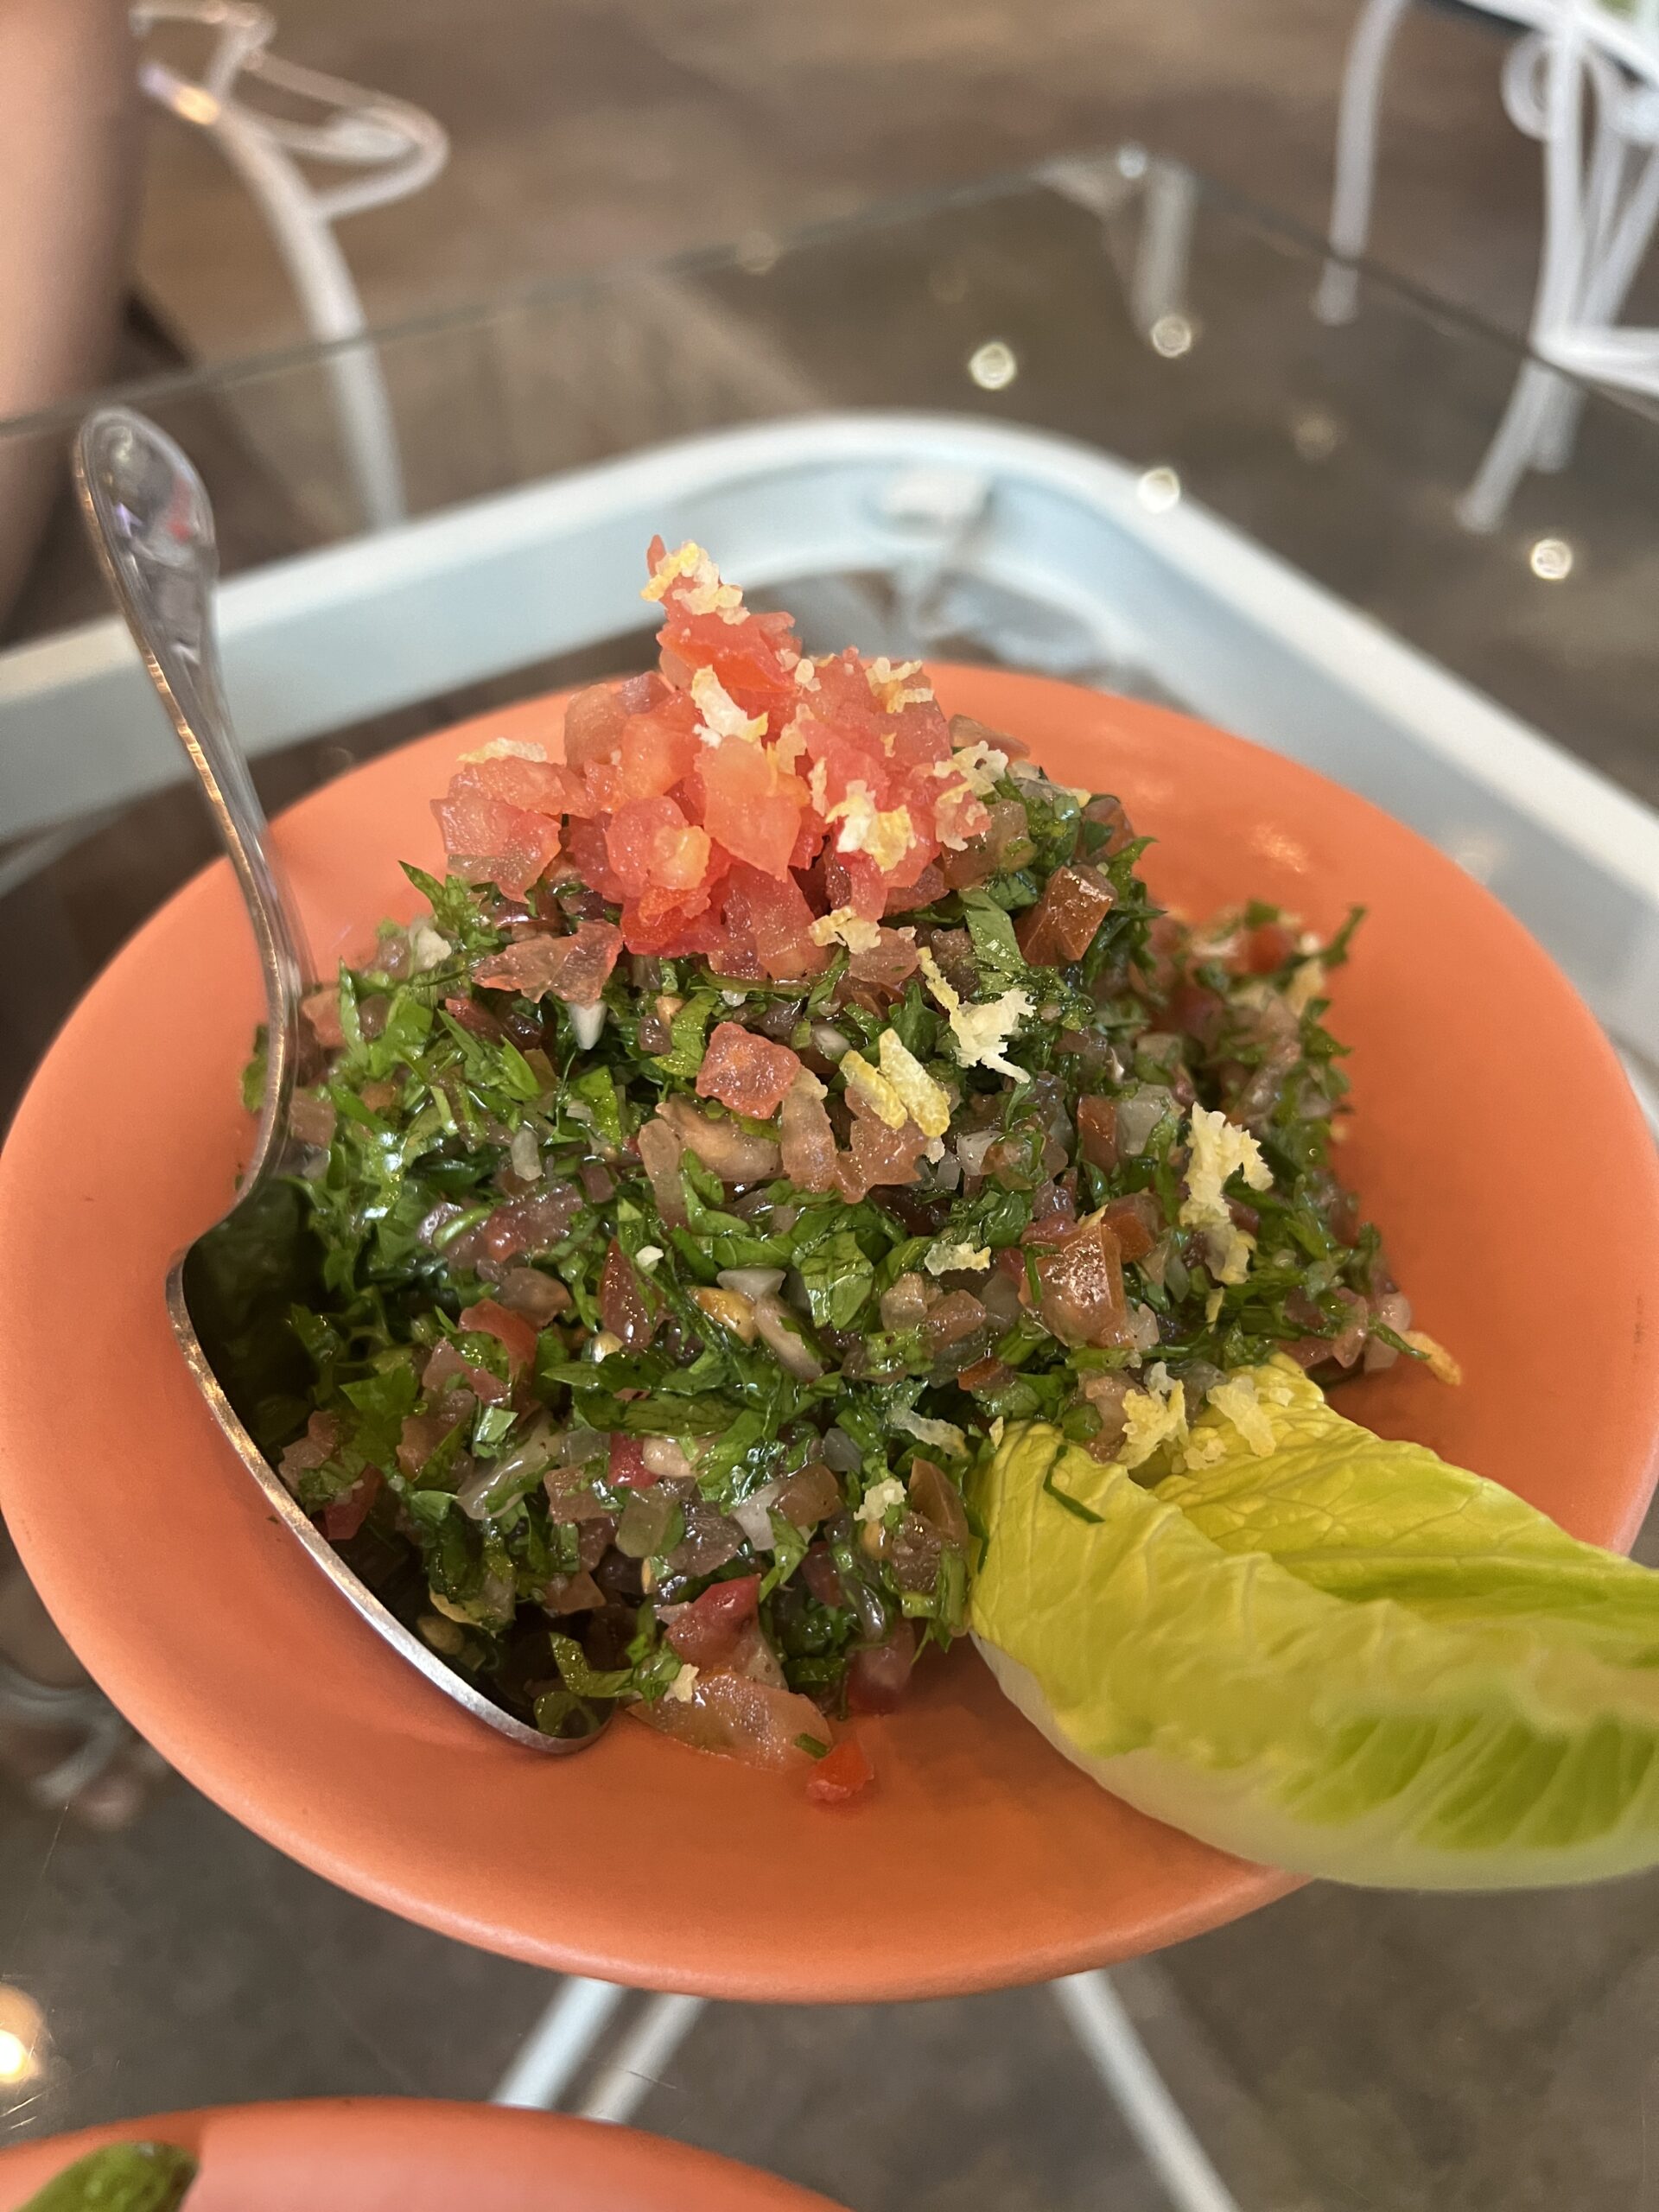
(1338, 1655)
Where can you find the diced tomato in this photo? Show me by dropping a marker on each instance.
(705, 1633)
(1082, 1299)
(1198, 1011)
(449, 1370)
(650, 843)
(575, 967)
(738, 1719)
(489, 842)
(1266, 947)
(841, 1774)
(929, 886)
(749, 804)
(593, 725)
(622, 1305)
(1136, 1224)
(584, 841)
(660, 749)
(879, 1676)
(510, 1331)
(540, 786)
(750, 1074)
(628, 1463)
(819, 1572)
(346, 1515)
(776, 919)
(890, 961)
(1098, 1132)
(1061, 926)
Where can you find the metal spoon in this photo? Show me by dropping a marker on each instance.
(228, 1295)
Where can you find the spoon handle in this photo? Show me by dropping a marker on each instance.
(151, 523)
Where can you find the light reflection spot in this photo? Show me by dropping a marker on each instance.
(1158, 490)
(993, 366)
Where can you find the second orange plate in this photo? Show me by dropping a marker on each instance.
(1495, 1140)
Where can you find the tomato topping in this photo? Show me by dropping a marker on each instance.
(705, 1633)
(841, 1774)
(651, 845)
(575, 969)
(750, 806)
(346, 1515)
(1266, 947)
(628, 1463)
(510, 1331)
(489, 842)
(539, 786)
(698, 798)
(750, 1074)
(593, 725)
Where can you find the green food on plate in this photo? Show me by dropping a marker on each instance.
(122, 2178)
(1326, 1650)
(786, 1086)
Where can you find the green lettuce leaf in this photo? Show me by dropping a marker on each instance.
(1332, 1652)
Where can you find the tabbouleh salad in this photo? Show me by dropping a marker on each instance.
(787, 1087)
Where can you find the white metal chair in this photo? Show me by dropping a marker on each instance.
(388, 149)
(1601, 202)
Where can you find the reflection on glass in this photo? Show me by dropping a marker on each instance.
(993, 366)
(22, 2035)
(1551, 560)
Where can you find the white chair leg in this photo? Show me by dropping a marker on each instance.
(1164, 249)
(1513, 451)
(1337, 296)
(1533, 421)
(333, 310)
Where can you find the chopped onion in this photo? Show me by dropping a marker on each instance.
(587, 1021)
(525, 1154)
(752, 1282)
(1139, 1115)
(665, 1455)
(500, 1481)
(829, 1041)
(753, 1517)
(972, 1146)
(793, 1355)
(840, 1451)
(1143, 1328)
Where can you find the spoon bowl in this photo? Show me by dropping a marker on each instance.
(229, 1293)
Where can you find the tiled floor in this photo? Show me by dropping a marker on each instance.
(1344, 2052)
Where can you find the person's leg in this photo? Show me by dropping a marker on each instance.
(68, 192)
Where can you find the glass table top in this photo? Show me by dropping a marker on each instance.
(1085, 421)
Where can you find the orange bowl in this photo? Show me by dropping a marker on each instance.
(1496, 1141)
(393, 2154)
